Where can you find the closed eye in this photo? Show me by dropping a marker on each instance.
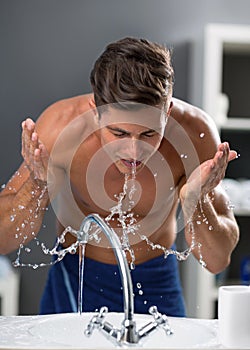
(149, 133)
(118, 132)
(123, 133)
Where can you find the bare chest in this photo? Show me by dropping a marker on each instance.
(98, 186)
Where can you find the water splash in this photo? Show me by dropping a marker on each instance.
(125, 218)
(81, 270)
(129, 226)
(184, 156)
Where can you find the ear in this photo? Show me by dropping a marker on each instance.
(92, 104)
(170, 108)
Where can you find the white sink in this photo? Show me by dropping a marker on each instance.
(66, 331)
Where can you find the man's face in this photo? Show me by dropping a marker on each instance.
(130, 138)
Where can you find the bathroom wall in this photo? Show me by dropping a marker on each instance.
(48, 48)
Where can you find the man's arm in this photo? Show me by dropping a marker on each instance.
(25, 197)
(22, 208)
(206, 208)
(205, 205)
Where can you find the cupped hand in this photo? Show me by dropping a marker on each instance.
(34, 152)
(209, 174)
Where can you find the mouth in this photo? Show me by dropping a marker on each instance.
(130, 163)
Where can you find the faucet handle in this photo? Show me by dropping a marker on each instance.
(96, 321)
(161, 319)
(154, 312)
(103, 312)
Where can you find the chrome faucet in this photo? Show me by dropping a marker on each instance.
(127, 333)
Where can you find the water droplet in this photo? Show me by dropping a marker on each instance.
(140, 292)
(12, 218)
(231, 206)
(3, 186)
(61, 239)
(72, 250)
(132, 266)
(202, 263)
(138, 285)
(16, 263)
(145, 302)
(210, 227)
(202, 135)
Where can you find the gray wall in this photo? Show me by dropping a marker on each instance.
(48, 48)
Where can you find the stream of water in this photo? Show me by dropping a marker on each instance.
(129, 225)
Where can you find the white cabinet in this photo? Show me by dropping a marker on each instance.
(220, 42)
(229, 105)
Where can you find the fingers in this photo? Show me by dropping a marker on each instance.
(231, 154)
(221, 159)
(224, 155)
(29, 138)
(33, 151)
(41, 154)
(212, 171)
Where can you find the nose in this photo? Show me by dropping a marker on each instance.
(135, 148)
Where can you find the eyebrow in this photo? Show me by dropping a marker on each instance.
(128, 133)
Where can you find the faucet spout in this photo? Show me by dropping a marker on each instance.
(128, 333)
(128, 298)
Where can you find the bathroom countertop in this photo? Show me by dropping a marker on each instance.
(66, 331)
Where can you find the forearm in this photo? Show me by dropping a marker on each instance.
(214, 233)
(21, 214)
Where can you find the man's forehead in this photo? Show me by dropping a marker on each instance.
(146, 116)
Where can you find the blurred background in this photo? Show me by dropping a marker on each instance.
(48, 48)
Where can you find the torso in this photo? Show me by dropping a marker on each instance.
(94, 180)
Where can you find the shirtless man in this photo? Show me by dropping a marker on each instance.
(78, 153)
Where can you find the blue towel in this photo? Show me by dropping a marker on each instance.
(155, 282)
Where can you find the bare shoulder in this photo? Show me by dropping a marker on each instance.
(185, 113)
(198, 125)
(55, 118)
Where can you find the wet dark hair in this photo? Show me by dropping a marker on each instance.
(133, 70)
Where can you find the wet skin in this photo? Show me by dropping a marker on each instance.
(109, 145)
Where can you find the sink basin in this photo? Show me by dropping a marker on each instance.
(66, 331)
